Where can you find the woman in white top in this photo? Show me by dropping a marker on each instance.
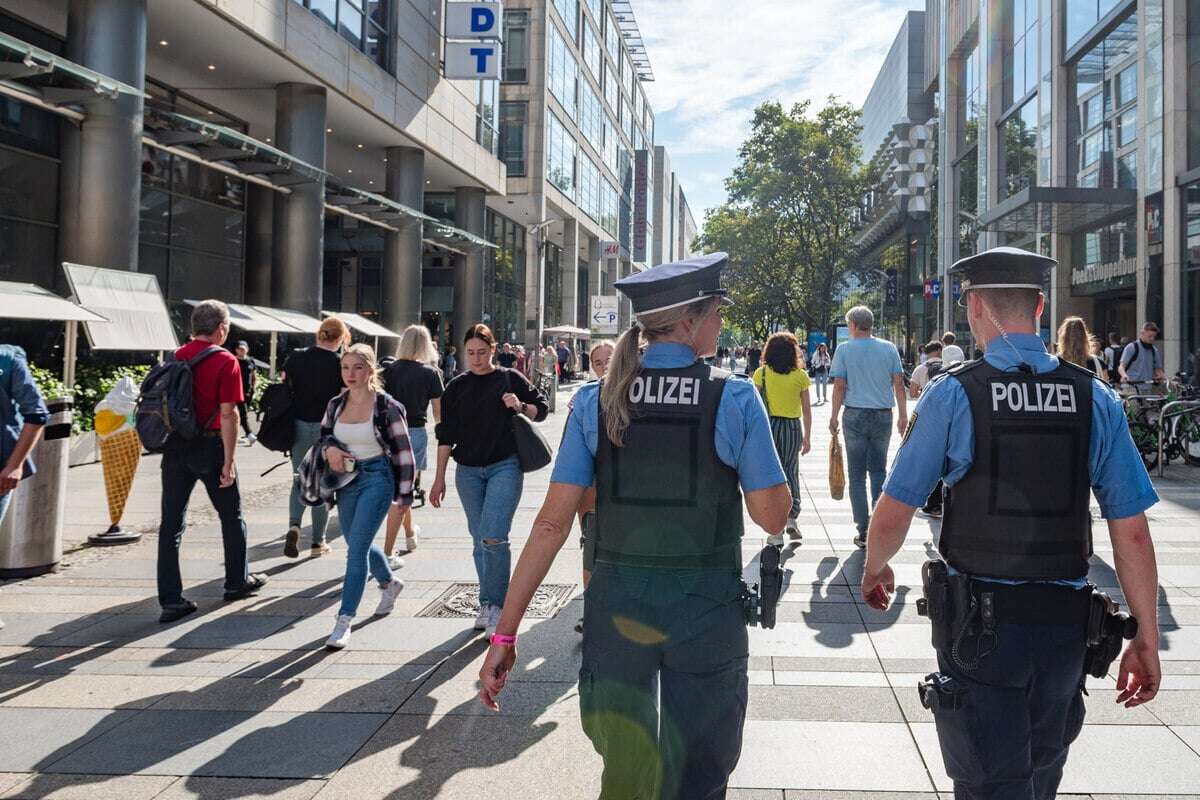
(364, 434)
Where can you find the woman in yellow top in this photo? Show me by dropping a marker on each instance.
(784, 384)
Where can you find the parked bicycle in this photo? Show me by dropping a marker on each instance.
(1145, 405)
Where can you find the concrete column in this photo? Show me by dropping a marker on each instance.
(570, 270)
(1175, 161)
(102, 159)
(260, 222)
(299, 241)
(402, 249)
(593, 272)
(948, 72)
(535, 278)
(470, 214)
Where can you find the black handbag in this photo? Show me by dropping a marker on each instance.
(533, 451)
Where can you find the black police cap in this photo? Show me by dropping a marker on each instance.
(1003, 268)
(675, 284)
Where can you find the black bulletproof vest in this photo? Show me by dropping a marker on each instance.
(1021, 510)
(664, 498)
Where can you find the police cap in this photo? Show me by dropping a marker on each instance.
(1003, 268)
(676, 284)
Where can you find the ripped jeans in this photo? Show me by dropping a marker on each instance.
(489, 496)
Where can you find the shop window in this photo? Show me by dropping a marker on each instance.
(27, 252)
(28, 186)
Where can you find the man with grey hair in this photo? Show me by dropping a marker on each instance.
(209, 459)
(868, 379)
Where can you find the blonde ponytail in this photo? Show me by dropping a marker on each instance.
(626, 362)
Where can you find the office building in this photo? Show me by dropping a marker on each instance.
(674, 226)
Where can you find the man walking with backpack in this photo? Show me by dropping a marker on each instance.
(216, 381)
(934, 365)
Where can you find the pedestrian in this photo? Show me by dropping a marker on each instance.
(314, 375)
(1076, 344)
(869, 380)
(821, 362)
(507, 357)
(522, 365)
(1141, 362)
(930, 367)
(249, 381)
(598, 358)
(476, 429)
(784, 386)
(417, 384)
(1112, 354)
(753, 358)
(365, 459)
(23, 415)
(564, 361)
(450, 364)
(209, 459)
(951, 352)
(1013, 642)
(550, 362)
(733, 359)
(663, 681)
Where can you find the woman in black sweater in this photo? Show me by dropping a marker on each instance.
(476, 429)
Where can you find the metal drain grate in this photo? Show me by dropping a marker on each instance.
(462, 600)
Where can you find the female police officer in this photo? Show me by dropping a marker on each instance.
(669, 441)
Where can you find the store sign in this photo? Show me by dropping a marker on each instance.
(1154, 219)
(935, 289)
(473, 20)
(603, 319)
(610, 249)
(641, 203)
(928, 289)
(479, 61)
(1110, 271)
(892, 288)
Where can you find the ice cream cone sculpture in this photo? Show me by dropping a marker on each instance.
(120, 448)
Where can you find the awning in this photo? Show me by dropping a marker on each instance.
(54, 79)
(627, 24)
(363, 325)
(1045, 209)
(441, 233)
(568, 330)
(300, 323)
(137, 316)
(254, 320)
(30, 301)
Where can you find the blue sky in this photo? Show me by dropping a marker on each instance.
(715, 60)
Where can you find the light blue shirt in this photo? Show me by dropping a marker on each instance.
(941, 444)
(867, 365)
(742, 437)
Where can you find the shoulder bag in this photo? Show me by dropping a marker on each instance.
(533, 451)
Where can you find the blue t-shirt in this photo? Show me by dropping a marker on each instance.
(867, 365)
(941, 443)
(742, 437)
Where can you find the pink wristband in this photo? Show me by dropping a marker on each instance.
(503, 640)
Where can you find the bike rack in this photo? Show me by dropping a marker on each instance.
(1165, 412)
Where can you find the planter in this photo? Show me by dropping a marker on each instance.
(84, 449)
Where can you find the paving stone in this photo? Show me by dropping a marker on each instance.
(822, 704)
(10, 779)
(89, 787)
(221, 743)
(460, 697)
(202, 788)
(92, 691)
(48, 734)
(42, 629)
(754, 794)
(802, 794)
(1176, 707)
(196, 631)
(801, 678)
(294, 694)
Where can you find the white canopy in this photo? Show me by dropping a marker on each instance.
(137, 317)
(297, 322)
(255, 320)
(30, 301)
(366, 327)
(568, 330)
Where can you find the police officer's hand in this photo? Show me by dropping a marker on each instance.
(878, 588)
(494, 673)
(437, 493)
(1140, 674)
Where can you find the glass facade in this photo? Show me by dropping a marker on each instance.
(516, 47)
(562, 73)
(363, 23)
(1191, 276)
(1083, 15)
(568, 11)
(589, 188)
(1020, 60)
(591, 49)
(1104, 97)
(1020, 148)
(504, 278)
(560, 156)
(552, 294)
(591, 117)
(512, 137)
(1193, 83)
(487, 100)
(972, 103)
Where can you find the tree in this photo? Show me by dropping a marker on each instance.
(793, 204)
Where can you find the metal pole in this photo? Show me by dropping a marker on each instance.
(70, 347)
(274, 351)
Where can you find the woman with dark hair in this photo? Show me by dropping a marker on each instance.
(476, 429)
(821, 362)
(784, 386)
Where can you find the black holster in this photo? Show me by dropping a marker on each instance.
(1107, 626)
(759, 602)
(947, 602)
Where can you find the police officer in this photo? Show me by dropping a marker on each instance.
(671, 443)
(1018, 437)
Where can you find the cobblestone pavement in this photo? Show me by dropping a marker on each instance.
(98, 700)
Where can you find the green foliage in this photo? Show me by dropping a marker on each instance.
(47, 382)
(93, 383)
(791, 215)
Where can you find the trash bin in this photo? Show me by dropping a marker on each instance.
(31, 533)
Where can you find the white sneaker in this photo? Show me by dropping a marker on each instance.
(251, 438)
(775, 539)
(341, 633)
(793, 529)
(387, 600)
(395, 562)
(493, 620)
(410, 542)
(481, 619)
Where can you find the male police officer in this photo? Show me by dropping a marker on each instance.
(1018, 438)
(671, 444)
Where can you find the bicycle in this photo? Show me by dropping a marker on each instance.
(1180, 433)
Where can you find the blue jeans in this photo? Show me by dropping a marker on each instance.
(822, 380)
(362, 507)
(489, 496)
(307, 434)
(868, 432)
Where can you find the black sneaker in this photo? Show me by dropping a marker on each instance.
(861, 540)
(255, 582)
(291, 544)
(579, 626)
(176, 611)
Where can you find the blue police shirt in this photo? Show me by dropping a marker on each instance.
(742, 437)
(942, 441)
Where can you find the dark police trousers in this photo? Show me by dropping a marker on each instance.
(1023, 708)
(675, 634)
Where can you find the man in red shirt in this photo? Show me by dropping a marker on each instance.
(216, 393)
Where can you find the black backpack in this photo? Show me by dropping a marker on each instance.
(165, 410)
(277, 419)
(933, 368)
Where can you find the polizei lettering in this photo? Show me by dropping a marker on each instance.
(1032, 396)
(669, 390)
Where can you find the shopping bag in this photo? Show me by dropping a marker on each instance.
(837, 472)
